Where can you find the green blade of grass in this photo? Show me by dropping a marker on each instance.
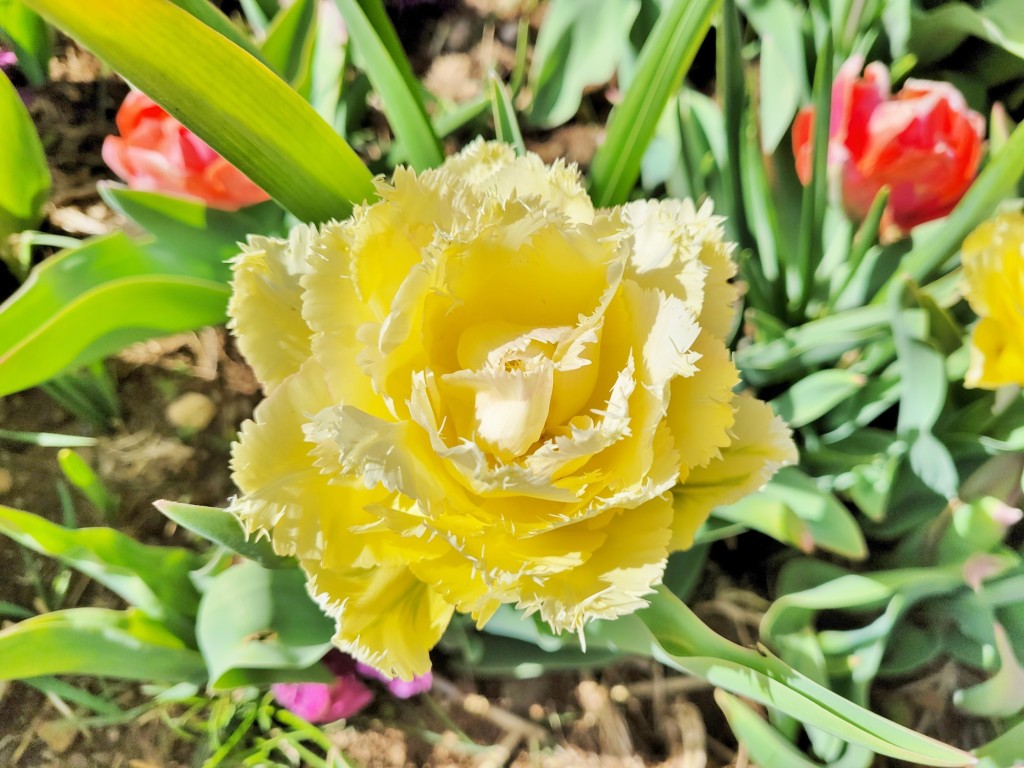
(663, 63)
(506, 126)
(730, 64)
(231, 100)
(48, 439)
(392, 77)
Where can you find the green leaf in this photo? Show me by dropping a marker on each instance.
(811, 344)
(86, 303)
(222, 527)
(153, 579)
(936, 33)
(805, 516)
(1003, 752)
(766, 745)
(664, 61)
(392, 77)
(234, 103)
(24, 177)
(782, 69)
(99, 642)
(187, 229)
(28, 36)
(257, 626)
(816, 394)
(1002, 695)
(212, 17)
(506, 125)
(682, 641)
(580, 44)
(287, 37)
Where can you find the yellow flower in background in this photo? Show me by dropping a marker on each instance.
(481, 390)
(993, 262)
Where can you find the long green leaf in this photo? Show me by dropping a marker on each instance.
(24, 177)
(766, 745)
(100, 642)
(392, 77)
(226, 96)
(686, 643)
(84, 304)
(663, 63)
(153, 579)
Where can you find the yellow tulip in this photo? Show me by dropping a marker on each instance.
(993, 262)
(481, 390)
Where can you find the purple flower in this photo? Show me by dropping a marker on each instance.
(402, 689)
(7, 59)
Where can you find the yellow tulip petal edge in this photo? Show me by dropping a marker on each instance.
(481, 390)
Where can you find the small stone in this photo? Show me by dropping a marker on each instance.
(192, 411)
(59, 735)
(6, 481)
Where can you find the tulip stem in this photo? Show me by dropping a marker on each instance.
(867, 236)
(812, 211)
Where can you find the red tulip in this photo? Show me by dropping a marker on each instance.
(156, 153)
(924, 143)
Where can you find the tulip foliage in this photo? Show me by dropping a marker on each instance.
(514, 413)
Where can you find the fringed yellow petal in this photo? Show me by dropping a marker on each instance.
(761, 445)
(993, 262)
(615, 578)
(701, 407)
(386, 617)
(266, 305)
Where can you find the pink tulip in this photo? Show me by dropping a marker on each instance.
(347, 695)
(924, 143)
(400, 689)
(156, 153)
(326, 702)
